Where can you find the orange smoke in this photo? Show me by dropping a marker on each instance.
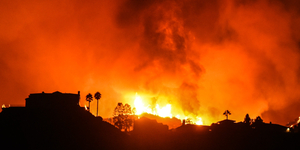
(201, 57)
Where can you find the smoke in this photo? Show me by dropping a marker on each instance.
(204, 57)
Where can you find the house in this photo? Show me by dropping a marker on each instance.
(52, 100)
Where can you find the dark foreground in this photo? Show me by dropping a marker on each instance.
(77, 129)
(55, 121)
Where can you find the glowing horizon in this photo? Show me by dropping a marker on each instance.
(164, 111)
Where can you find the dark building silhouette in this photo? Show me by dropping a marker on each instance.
(226, 122)
(44, 104)
(53, 100)
(192, 128)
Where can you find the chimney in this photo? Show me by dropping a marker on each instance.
(78, 97)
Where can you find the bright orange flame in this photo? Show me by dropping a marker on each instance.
(199, 122)
(139, 106)
(159, 111)
(164, 111)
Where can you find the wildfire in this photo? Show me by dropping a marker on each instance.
(199, 122)
(164, 111)
(139, 106)
(159, 111)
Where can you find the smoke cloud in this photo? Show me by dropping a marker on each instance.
(203, 57)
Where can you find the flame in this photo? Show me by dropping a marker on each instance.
(159, 111)
(165, 111)
(199, 122)
(85, 107)
(139, 106)
(3, 106)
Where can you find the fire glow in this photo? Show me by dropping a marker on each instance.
(207, 56)
(165, 111)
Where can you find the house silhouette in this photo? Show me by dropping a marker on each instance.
(53, 100)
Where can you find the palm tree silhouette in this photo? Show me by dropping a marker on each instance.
(97, 97)
(89, 98)
(226, 113)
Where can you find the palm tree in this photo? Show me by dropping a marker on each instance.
(89, 98)
(226, 113)
(97, 97)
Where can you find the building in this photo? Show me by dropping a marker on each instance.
(53, 100)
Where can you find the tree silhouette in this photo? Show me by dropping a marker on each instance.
(258, 120)
(89, 98)
(123, 116)
(97, 97)
(118, 116)
(188, 121)
(133, 111)
(247, 119)
(226, 113)
(128, 118)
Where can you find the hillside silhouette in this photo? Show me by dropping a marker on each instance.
(56, 121)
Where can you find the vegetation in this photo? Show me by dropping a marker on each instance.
(258, 120)
(97, 97)
(89, 98)
(247, 119)
(226, 113)
(124, 116)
